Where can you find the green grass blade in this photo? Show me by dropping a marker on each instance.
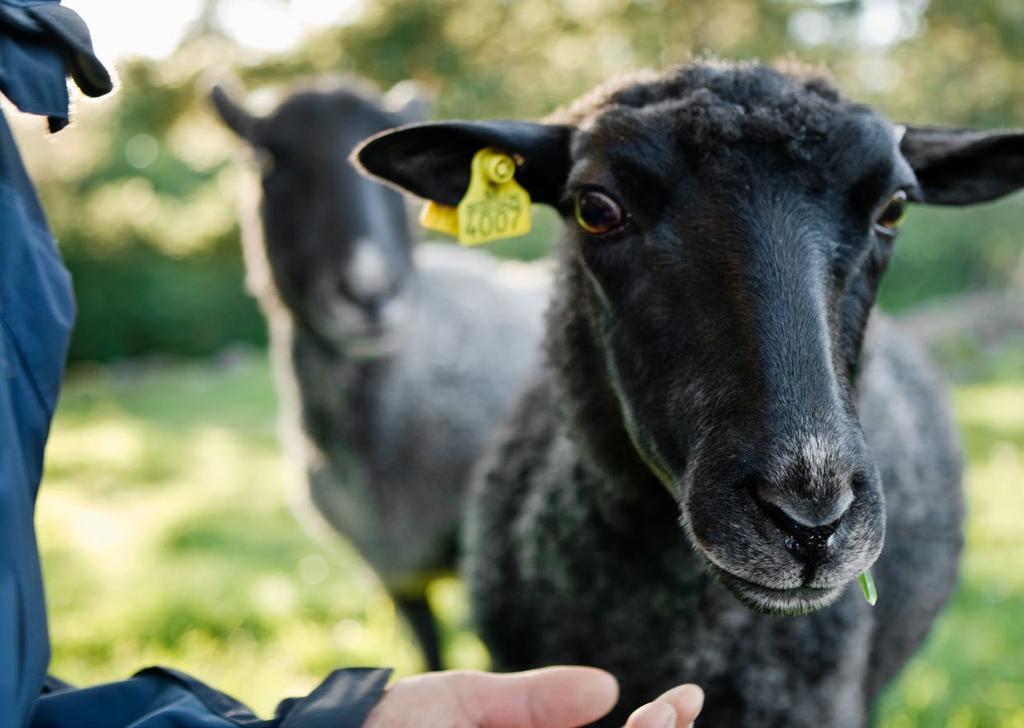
(867, 585)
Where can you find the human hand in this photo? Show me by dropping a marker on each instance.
(554, 697)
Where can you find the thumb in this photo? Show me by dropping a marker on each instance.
(554, 697)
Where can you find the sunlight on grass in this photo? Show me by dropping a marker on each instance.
(166, 539)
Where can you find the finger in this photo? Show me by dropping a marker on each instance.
(658, 714)
(554, 697)
(685, 700)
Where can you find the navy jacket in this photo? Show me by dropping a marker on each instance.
(41, 43)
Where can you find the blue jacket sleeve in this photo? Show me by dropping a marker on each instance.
(36, 312)
(39, 44)
(159, 697)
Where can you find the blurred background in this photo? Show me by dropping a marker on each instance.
(164, 526)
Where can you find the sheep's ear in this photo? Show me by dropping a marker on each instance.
(964, 167)
(409, 101)
(233, 115)
(433, 160)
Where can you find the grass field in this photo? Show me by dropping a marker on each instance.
(166, 538)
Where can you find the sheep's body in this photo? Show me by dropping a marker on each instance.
(571, 562)
(389, 434)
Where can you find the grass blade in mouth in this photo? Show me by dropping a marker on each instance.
(867, 585)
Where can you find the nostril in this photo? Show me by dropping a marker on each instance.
(815, 518)
(785, 522)
(806, 512)
(808, 527)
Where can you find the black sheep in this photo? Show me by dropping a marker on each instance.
(395, 361)
(720, 442)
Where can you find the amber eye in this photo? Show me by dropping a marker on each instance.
(597, 213)
(891, 217)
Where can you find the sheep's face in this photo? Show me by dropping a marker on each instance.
(338, 244)
(729, 288)
(728, 228)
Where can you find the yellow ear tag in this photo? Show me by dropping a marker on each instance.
(442, 218)
(494, 206)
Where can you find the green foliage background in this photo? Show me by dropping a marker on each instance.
(142, 190)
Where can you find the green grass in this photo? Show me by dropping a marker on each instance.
(167, 538)
(971, 673)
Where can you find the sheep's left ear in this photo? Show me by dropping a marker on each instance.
(433, 160)
(233, 115)
(964, 167)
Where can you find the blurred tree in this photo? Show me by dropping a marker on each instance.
(144, 202)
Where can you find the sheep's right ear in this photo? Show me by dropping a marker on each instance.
(432, 160)
(233, 115)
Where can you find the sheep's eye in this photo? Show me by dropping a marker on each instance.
(597, 213)
(891, 217)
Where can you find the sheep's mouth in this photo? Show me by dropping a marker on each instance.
(782, 602)
(348, 329)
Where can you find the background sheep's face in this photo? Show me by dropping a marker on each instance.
(732, 254)
(338, 244)
(729, 226)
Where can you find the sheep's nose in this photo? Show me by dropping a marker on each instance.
(808, 525)
(372, 272)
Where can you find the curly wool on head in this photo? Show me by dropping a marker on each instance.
(717, 104)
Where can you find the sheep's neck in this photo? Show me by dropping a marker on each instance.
(336, 393)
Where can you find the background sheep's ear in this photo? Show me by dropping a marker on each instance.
(233, 115)
(409, 101)
(432, 160)
(964, 167)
